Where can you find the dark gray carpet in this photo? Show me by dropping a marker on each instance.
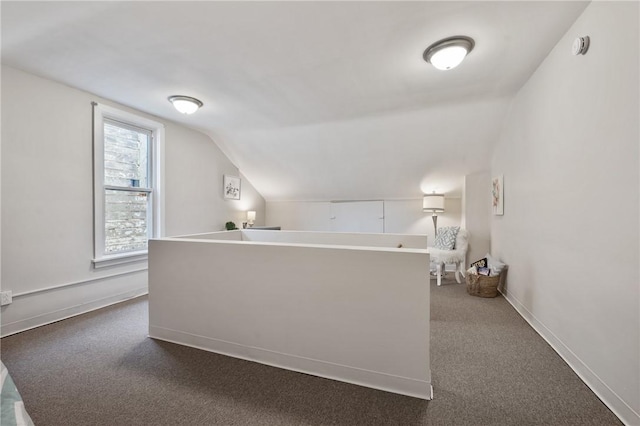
(489, 368)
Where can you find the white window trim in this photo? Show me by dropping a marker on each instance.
(100, 112)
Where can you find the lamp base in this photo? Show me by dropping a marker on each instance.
(434, 217)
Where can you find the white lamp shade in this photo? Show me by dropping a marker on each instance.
(448, 53)
(433, 203)
(251, 216)
(185, 107)
(185, 104)
(449, 57)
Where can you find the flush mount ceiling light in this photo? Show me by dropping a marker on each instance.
(449, 52)
(185, 104)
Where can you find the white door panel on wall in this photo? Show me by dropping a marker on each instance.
(299, 215)
(357, 216)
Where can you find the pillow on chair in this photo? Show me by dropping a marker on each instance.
(446, 238)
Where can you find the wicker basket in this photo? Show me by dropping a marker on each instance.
(484, 286)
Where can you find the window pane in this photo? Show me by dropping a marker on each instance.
(126, 155)
(125, 221)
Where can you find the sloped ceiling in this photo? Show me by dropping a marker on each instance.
(311, 100)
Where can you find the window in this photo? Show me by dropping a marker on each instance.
(127, 182)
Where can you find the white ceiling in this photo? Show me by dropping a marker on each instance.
(311, 100)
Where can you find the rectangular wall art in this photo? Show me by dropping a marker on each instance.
(497, 195)
(231, 187)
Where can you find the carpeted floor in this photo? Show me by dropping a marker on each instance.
(489, 368)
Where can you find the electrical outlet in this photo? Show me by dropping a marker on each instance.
(5, 297)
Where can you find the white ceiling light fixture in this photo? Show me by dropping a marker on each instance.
(448, 53)
(185, 104)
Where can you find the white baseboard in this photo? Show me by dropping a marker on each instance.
(373, 379)
(616, 404)
(55, 316)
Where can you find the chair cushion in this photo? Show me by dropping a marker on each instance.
(446, 238)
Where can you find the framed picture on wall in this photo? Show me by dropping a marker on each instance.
(231, 187)
(497, 195)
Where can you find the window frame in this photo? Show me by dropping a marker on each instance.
(154, 189)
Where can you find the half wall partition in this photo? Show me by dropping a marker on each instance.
(349, 307)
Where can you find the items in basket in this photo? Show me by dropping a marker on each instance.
(484, 276)
(482, 263)
(488, 266)
(484, 271)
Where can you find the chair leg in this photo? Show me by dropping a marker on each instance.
(458, 273)
(439, 273)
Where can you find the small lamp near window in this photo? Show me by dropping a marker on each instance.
(251, 218)
(433, 203)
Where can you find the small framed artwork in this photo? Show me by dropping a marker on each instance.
(497, 195)
(231, 187)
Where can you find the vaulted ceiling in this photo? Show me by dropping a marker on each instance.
(311, 100)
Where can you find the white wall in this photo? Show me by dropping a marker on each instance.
(1, 285)
(570, 232)
(47, 201)
(355, 239)
(194, 200)
(476, 213)
(356, 314)
(400, 216)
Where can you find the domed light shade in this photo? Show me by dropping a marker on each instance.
(449, 52)
(185, 104)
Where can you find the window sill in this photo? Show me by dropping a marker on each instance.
(120, 259)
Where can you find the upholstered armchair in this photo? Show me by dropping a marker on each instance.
(442, 257)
